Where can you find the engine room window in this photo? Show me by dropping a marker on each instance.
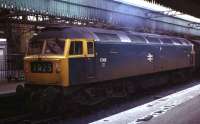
(90, 46)
(108, 37)
(176, 41)
(184, 41)
(153, 40)
(137, 39)
(76, 48)
(166, 40)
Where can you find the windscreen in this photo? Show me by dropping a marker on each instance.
(46, 46)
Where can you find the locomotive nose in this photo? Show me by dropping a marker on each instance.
(46, 71)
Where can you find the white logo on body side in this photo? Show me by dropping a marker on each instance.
(150, 57)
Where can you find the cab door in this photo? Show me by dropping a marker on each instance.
(81, 61)
(76, 61)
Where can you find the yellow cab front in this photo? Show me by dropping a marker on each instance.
(46, 62)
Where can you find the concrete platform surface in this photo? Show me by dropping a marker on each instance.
(172, 109)
(186, 113)
(8, 87)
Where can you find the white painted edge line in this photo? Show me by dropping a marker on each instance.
(7, 92)
(152, 109)
(3, 40)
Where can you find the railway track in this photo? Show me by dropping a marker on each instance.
(47, 120)
(31, 119)
(10, 105)
(14, 119)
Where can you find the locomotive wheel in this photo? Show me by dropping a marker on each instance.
(48, 99)
(88, 97)
(20, 93)
(60, 103)
(130, 87)
(44, 101)
(33, 102)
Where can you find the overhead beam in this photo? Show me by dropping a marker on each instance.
(104, 11)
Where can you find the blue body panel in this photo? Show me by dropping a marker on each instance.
(121, 60)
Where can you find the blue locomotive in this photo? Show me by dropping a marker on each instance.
(97, 63)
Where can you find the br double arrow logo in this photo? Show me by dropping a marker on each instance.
(150, 57)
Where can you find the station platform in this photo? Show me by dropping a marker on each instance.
(186, 113)
(182, 107)
(8, 87)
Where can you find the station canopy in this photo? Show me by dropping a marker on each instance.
(190, 7)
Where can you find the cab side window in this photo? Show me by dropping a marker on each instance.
(76, 48)
(90, 46)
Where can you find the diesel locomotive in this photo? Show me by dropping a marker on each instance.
(91, 64)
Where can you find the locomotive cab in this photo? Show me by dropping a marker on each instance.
(49, 61)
